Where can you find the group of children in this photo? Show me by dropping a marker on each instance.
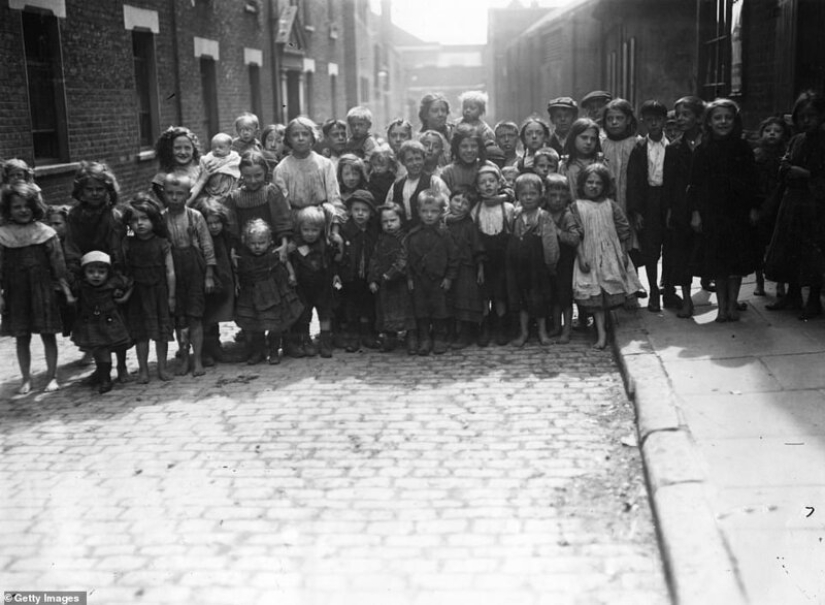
(440, 240)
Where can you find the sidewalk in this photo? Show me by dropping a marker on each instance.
(732, 430)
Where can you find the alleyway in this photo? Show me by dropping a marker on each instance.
(487, 476)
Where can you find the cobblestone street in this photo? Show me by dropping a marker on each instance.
(480, 477)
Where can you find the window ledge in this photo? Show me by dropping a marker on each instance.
(52, 169)
(145, 156)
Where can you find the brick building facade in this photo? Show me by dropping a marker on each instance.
(101, 80)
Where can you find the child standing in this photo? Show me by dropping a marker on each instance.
(437, 151)
(220, 303)
(680, 239)
(56, 218)
(469, 154)
(603, 277)
(100, 327)
(267, 301)
(247, 127)
(795, 253)
(532, 255)
(17, 170)
(194, 262)
(465, 295)
(406, 190)
(534, 135)
(352, 175)
(645, 207)
(507, 140)
(620, 139)
(387, 277)
(774, 133)
(219, 171)
(723, 193)
(582, 149)
(545, 161)
(178, 152)
(258, 199)
(334, 144)
(433, 266)
(360, 142)
(31, 261)
(493, 216)
(148, 260)
(312, 260)
(398, 131)
(360, 236)
(306, 178)
(570, 235)
(563, 111)
(272, 139)
(382, 171)
(473, 106)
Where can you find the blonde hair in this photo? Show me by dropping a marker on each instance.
(477, 97)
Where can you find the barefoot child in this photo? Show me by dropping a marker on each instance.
(100, 327)
(220, 303)
(557, 193)
(603, 277)
(31, 259)
(194, 261)
(532, 255)
(148, 260)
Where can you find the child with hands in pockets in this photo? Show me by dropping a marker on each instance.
(31, 262)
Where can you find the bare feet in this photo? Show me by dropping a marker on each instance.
(183, 366)
(25, 388)
(143, 377)
(52, 386)
(545, 339)
(564, 338)
(721, 318)
(164, 374)
(554, 332)
(123, 376)
(519, 340)
(197, 368)
(600, 345)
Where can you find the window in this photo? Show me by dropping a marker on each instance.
(47, 101)
(146, 87)
(720, 20)
(209, 89)
(255, 90)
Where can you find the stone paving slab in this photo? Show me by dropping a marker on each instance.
(487, 476)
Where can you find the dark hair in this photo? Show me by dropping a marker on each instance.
(270, 128)
(165, 143)
(424, 108)
(401, 123)
(534, 119)
(462, 133)
(211, 207)
(578, 127)
(332, 123)
(776, 121)
(723, 104)
(467, 191)
(253, 157)
(694, 104)
(60, 209)
(410, 145)
(26, 191)
(145, 203)
(97, 171)
(653, 107)
(350, 159)
(808, 98)
(626, 108)
(603, 172)
(390, 207)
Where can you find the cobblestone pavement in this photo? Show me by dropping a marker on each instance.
(483, 477)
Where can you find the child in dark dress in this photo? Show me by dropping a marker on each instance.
(557, 194)
(31, 262)
(466, 298)
(100, 327)
(148, 260)
(433, 267)
(388, 282)
(359, 235)
(313, 260)
(220, 303)
(267, 300)
(532, 255)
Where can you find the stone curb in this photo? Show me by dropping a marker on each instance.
(699, 565)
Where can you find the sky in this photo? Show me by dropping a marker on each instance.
(450, 21)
